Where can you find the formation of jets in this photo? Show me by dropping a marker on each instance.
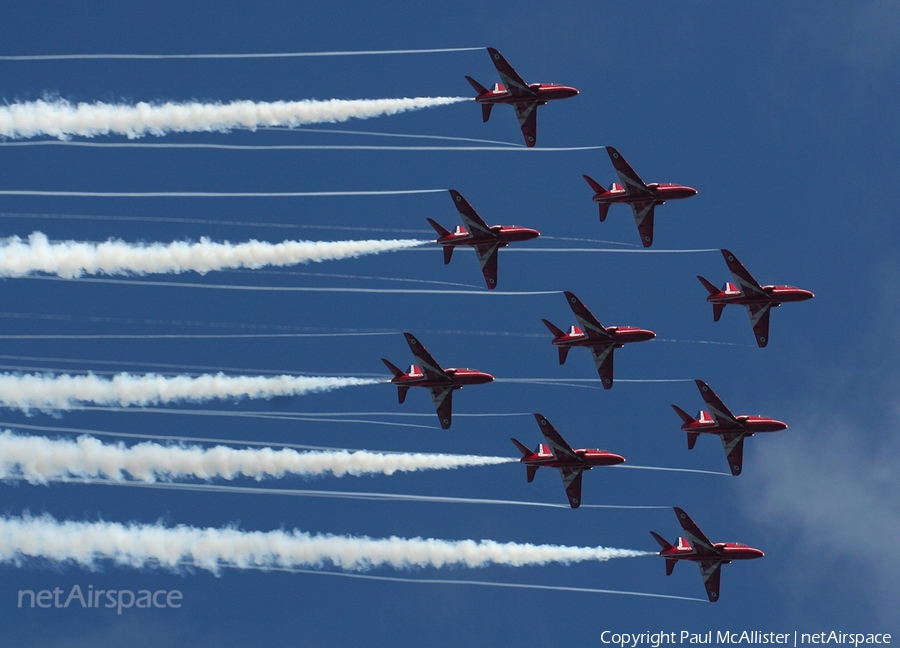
(556, 453)
(709, 556)
(602, 341)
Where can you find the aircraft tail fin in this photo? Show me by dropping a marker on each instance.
(708, 285)
(596, 186)
(604, 210)
(563, 354)
(440, 229)
(687, 418)
(531, 472)
(665, 544)
(557, 332)
(401, 393)
(486, 111)
(670, 566)
(692, 439)
(480, 89)
(717, 311)
(393, 368)
(448, 254)
(522, 447)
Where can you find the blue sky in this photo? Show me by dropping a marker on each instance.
(785, 119)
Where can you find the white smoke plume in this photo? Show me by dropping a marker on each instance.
(62, 119)
(39, 459)
(64, 391)
(146, 545)
(71, 259)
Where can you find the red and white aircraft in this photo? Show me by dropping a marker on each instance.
(524, 97)
(602, 341)
(730, 428)
(556, 453)
(642, 197)
(439, 381)
(486, 239)
(746, 291)
(709, 556)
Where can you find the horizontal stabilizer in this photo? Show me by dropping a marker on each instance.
(557, 332)
(692, 439)
(563, 354)
(531, 470)
(448, 254)
(440, 229)
(480, 89)
(526, 452)
(709, 286)
(717, 311)
(687, 418)
(665, 544)
(393, 368)
(596, 186)
(486, 112)
(402, 390)
(604, 210)
(670, 566)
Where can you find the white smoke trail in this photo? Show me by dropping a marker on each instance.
(214, 194)
(71, 259)
(39, 459)
(367, 496)
(62, 119)
(255, 55)
(294, 147)
(145, 545)
(60, 392)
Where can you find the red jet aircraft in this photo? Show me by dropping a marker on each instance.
(486, 239)
(602, 341)
(709, 556)
(524, 97)
(642, 197)
(732, 429)
(439, 381)
(746, 291)
(556, 453)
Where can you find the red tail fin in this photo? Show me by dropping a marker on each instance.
(706, 284)
(687, 418)
(480, 89)
(393, 368)
(557, 332)
(441, 231)
(665, 544)
(522, 448)
(596, 186)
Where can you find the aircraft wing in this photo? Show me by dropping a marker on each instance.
(514, 83)
(443, 403)
(710, 571)
(701, 544)
(586, 320)
(474, 222)
(759, 318)
(429, 365)
(723, 415)
(560, 448)
(631, 181)
(571, 478)
(487, 257)
(734, 451)
(603, 358)
(643, 216)
(742, 278)
(526, 113)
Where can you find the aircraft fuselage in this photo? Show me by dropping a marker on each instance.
(775, 295)
(459, 378)
(662, 192)
(621, 335)
(728, 550)
(505, 234)
(543, 92)
(589, 458)
(750, 425)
